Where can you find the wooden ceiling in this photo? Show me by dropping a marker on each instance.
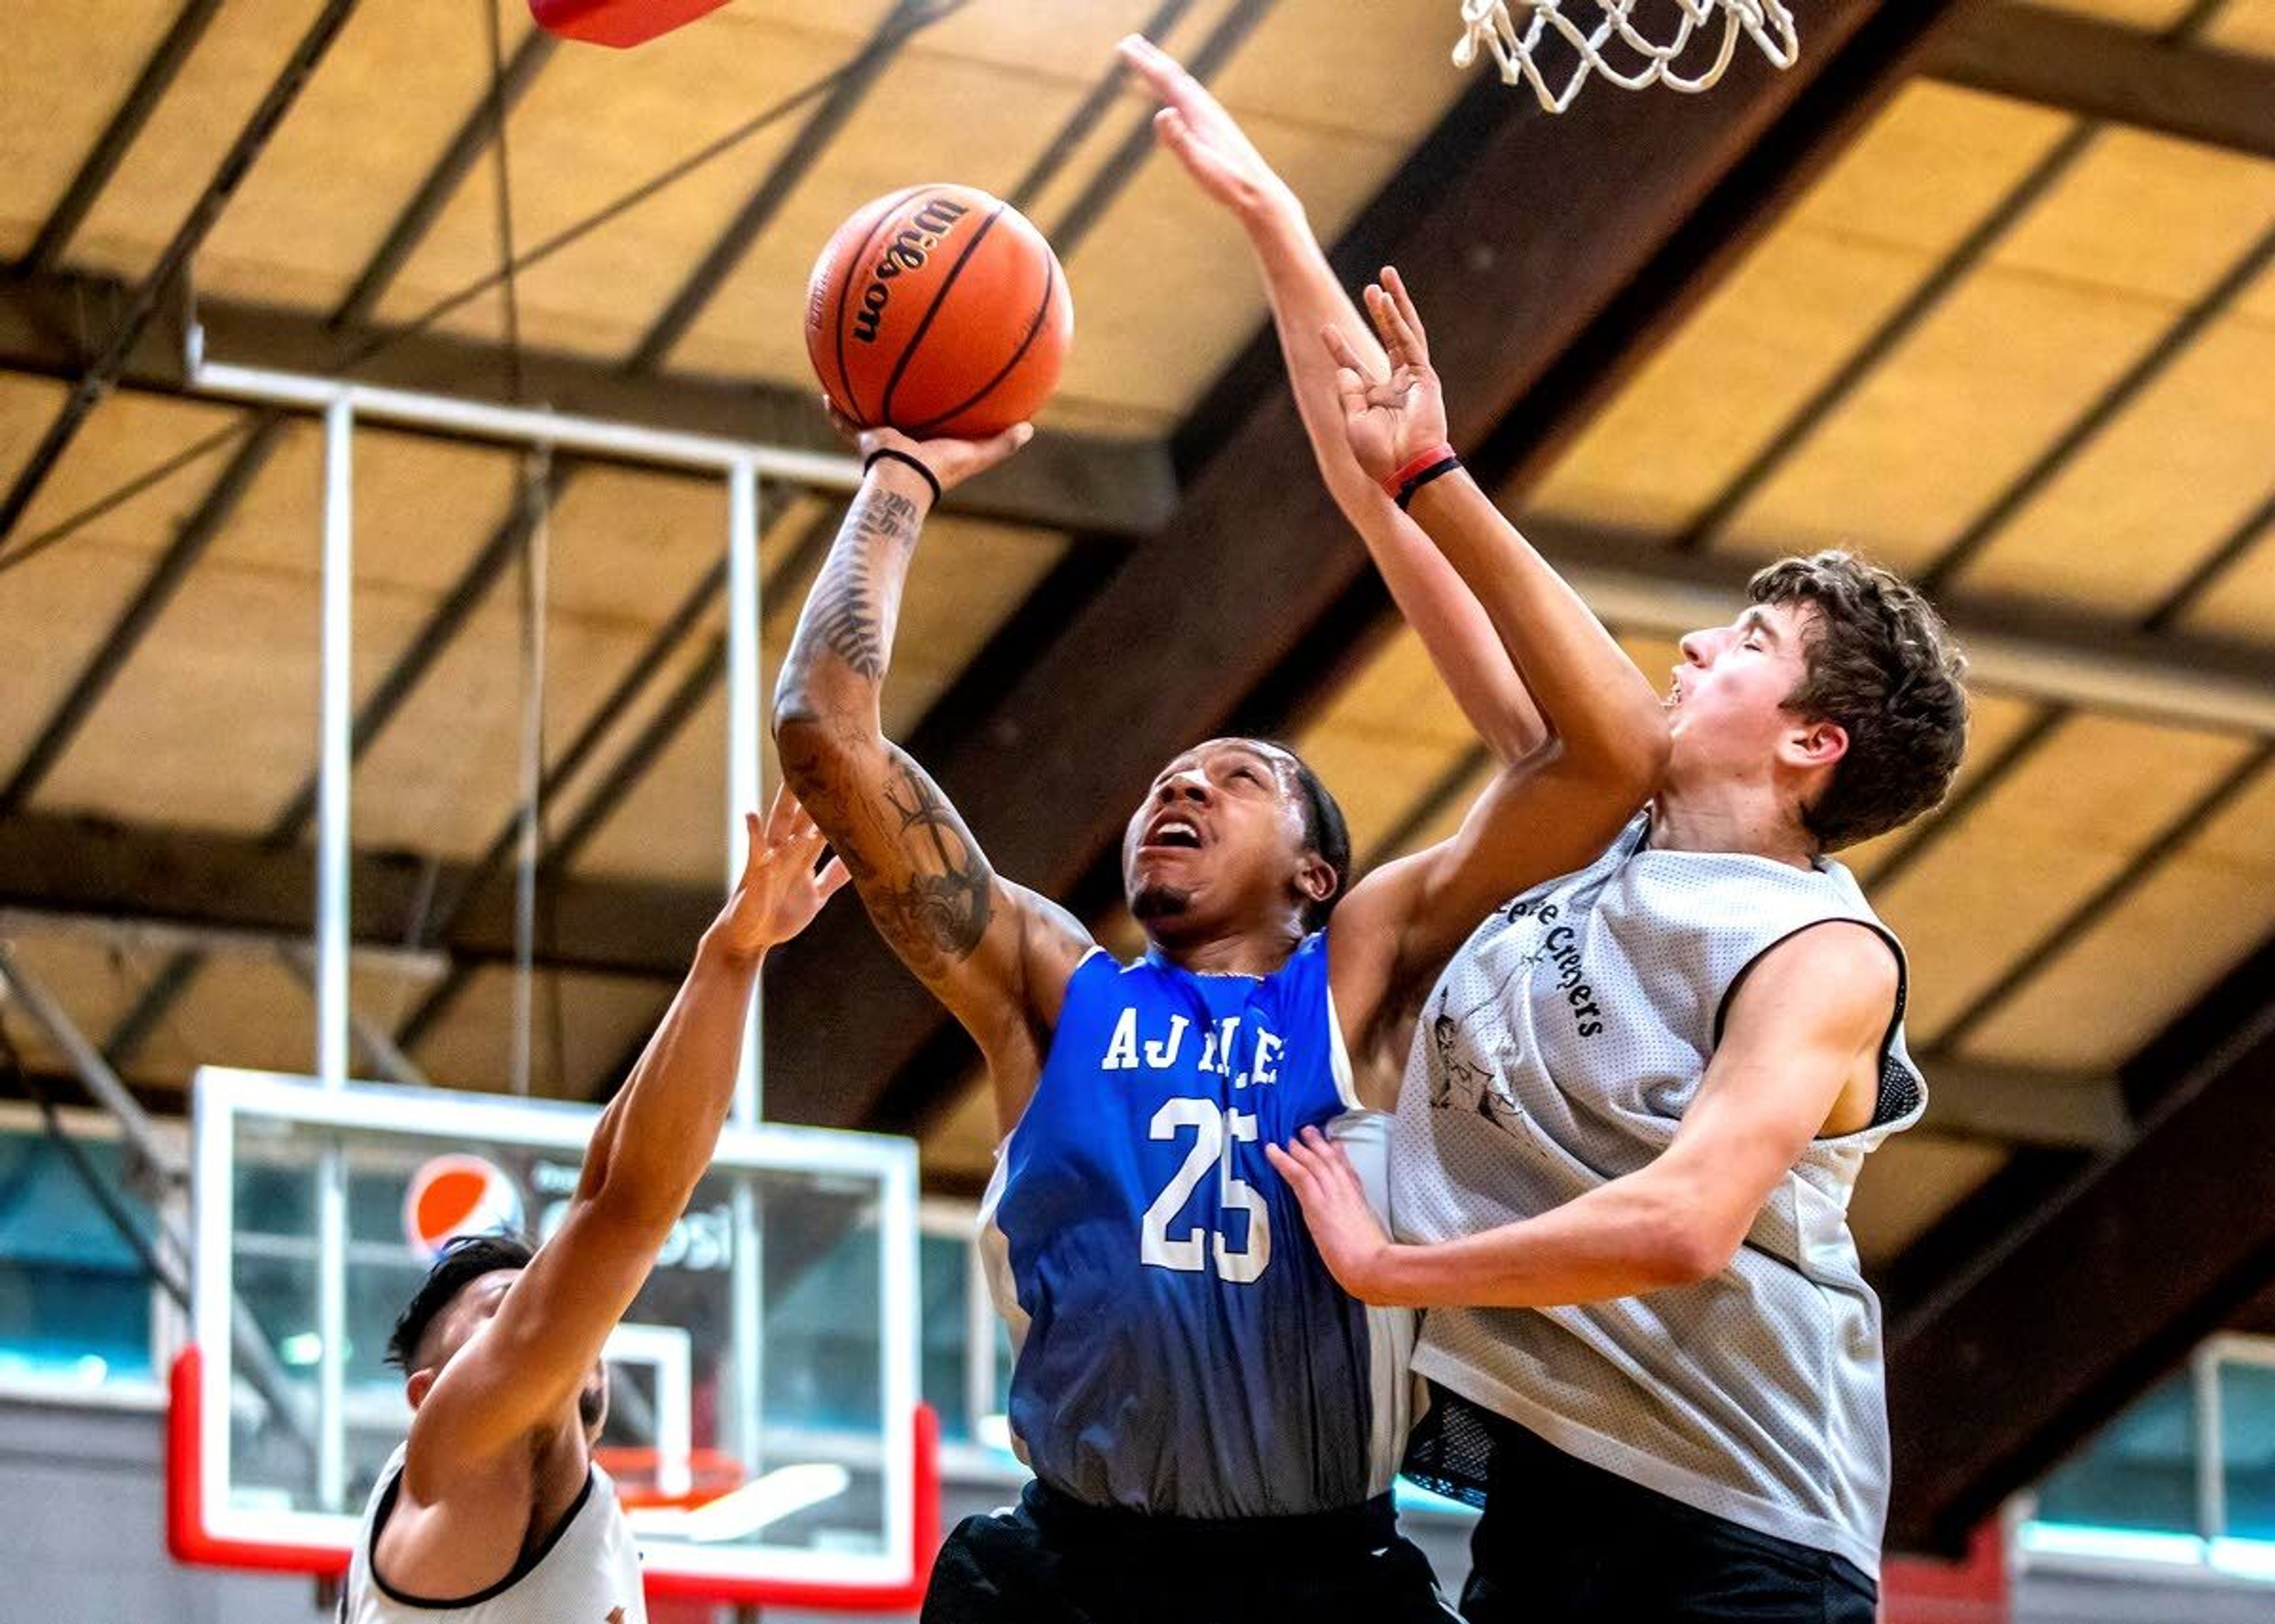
(2018, 352)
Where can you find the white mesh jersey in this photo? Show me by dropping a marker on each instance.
(588, 1572)
(1559, 1051)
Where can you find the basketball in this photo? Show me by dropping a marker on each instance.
(939, 311)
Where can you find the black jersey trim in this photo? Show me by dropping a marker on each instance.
(521, 1569)
(1889, 1105)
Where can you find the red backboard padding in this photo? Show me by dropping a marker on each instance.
(620, 23)
(190, 1543)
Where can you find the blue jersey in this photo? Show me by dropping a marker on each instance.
(1181, 1349)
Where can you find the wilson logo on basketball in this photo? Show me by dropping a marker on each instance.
(907, 251)
(453, 1196)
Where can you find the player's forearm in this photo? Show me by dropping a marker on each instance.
(1305, 298)
(835, 673)
(658, 1135)
(1589, 694)
(1618, 1241)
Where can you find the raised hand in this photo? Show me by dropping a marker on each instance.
(1391, 419)
(781, 889)
(952, 462)
(1344, 1226)
(1194, 127)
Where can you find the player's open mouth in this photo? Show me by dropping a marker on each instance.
(1172, 833)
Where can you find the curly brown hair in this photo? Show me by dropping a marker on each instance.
(1882, 666)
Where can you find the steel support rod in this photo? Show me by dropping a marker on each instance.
(537, 550)
(744, 789)
(559, 431)
(332, 904)
(338, 702)
(744, 723)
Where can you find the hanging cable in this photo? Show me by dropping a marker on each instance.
(157, 473)
(379, 343)
(812, 91)
(535, 552)
(501, 163)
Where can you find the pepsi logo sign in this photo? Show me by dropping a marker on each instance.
(456, 1195)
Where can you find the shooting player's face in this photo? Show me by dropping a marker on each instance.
(469, 1313)
(1218, 841)
(1727, 707)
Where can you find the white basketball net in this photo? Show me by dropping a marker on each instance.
(1613, 46)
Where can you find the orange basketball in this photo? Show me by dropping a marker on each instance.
(940, 311)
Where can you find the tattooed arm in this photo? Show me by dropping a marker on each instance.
(997, 954)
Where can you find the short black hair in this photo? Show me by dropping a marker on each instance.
(1326, 832)
(466, 1257)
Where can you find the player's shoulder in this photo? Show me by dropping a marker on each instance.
(1840, 966)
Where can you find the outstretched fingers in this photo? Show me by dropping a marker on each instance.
(1357, 398)
(1162, 72)
(1398, 339)
(785, 817)
(1410, 320)
(1345, 355)
(1166, 77)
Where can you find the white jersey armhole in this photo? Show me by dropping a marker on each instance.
(1339, 1060)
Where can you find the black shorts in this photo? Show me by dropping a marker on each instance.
(1050, 1560)
(1562, 1542)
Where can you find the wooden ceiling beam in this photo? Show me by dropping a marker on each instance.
(83, 869)
(2012, 1104)
(2103, 69)
(1097, 484)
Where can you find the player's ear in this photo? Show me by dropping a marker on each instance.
(1814, 743)
(1316, 879)
(421, 1383)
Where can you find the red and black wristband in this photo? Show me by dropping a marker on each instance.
(1434, 463)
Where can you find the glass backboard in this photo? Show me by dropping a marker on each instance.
(765, 1430)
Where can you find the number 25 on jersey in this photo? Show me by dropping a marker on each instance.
(1215, 1131)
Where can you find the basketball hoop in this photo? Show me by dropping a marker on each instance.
(1614, 46)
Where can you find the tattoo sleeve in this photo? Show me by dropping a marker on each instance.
(926, 883)
(856, 602)
(935, 910)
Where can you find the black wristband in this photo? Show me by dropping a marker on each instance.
(1435, 471)
(882, 452)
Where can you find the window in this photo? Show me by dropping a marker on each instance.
(2246, 1444)
(2140, 1473)
(2185, 1477)
(965, 1369)
(75, 1305)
